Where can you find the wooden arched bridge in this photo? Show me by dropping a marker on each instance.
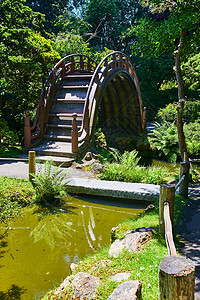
(70, 100)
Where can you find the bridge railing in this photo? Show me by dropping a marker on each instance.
(66, 65)
(113, 62)
(176, 274)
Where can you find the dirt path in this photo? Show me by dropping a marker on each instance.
(189, 231)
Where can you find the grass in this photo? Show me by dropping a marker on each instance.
(143, 265)
(14, 194)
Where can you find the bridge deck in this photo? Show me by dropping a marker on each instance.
(116, 189)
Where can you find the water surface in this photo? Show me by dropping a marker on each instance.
(37, 250)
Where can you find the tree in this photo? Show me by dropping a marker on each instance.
(26, 58)
(173, 26)
(109, 20)
(51, 9)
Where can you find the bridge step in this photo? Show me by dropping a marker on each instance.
(69, 99)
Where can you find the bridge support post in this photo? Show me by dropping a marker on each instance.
(27, 131)
(74, 134)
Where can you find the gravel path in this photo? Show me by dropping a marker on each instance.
(189, 231)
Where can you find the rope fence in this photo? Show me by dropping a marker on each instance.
(176, 273)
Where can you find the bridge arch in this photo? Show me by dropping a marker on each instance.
(78, 85)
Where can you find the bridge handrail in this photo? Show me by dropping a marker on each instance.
(84, 62)
(114, 60)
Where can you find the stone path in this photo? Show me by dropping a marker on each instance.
(19, 169)
(189, 231)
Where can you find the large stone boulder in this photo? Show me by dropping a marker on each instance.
(127, 290)
(85, 286)
(133, 241)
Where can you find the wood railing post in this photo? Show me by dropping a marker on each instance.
(74, 134)
(113, 65)
(31, 164)
(144, 118)
(72, 64)
(176, 278)
(27, 131)
(81, 63)
(167, 194)
(184, 170)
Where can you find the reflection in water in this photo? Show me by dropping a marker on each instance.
(37, 252)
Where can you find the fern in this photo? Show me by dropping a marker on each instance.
(48, 183)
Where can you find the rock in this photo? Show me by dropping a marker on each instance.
(101, 264)
(133, 241)
(88, 156)
(120, 277)
(98, 168)
(85, 286)
(63, 285)
(116, 248)
(136, 239)
(127, 290)
(73, 267)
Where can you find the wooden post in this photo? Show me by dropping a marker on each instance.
(74, 134)
(167, 194)
(31, 164)
(184, 170)
(144, 118)
(27, 131)
(176, 278)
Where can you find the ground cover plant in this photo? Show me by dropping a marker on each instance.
(143, 265)
(14, 195)
(126, 168)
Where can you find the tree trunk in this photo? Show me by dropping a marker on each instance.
(180, 82)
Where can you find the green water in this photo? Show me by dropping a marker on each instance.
(37, 250)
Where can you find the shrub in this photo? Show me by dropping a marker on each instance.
(190, 113)
(48, 183)
(192, 135)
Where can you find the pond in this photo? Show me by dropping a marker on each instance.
(37, 250)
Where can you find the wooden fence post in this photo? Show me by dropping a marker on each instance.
(167, 194)
(176, 278)
(31, 164)
(27, 131)
(74, 134)
(184, 170)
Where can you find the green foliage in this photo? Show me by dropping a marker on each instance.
(192, 135)
(25, 61)
(48, 183)
(169, 113)
(66, 44)
(191, 72)
(164, 138)
(127, 169)
(14, 194)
